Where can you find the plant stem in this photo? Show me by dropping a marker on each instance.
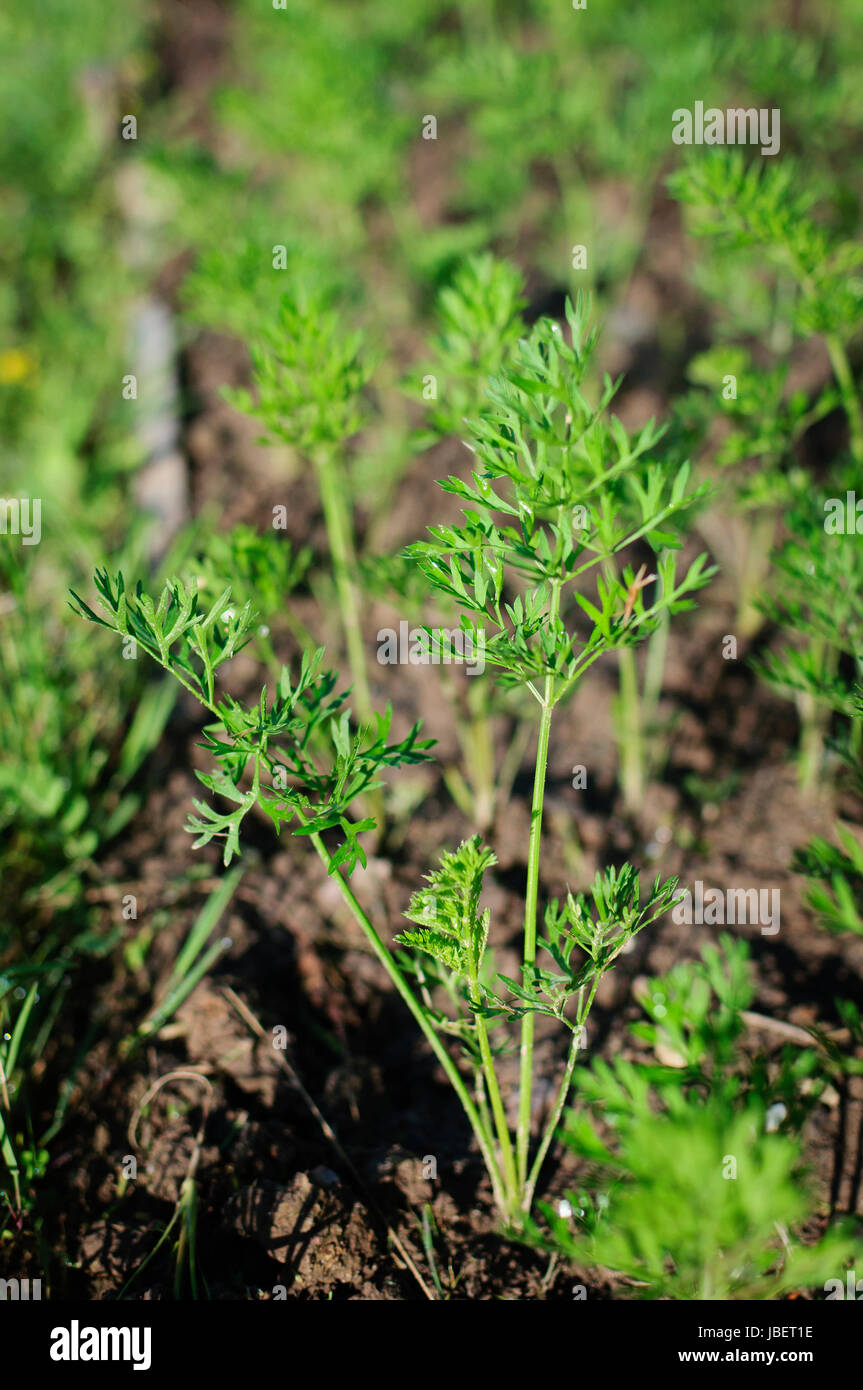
(343, 553)
(628, 721)
(630, 734)
(530, 908)
(552, 1124)
(481, 753)
(841, 368)
(814, 719)
(509, 1170)
(474, 794)
(657, 648)
(453, 1075)
(554, 1117)
(850, 399)
(481, 1102)
(757, 547)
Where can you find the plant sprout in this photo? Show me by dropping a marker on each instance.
(542, 451)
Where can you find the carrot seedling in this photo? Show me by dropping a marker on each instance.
(546, 458)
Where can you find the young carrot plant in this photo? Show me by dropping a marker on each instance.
(816, 598)
(267, 746)
(637, 729)
(483, 304)
(553, 457)
(740, 416)
(547, 464)
(835, 871)
(61, 802)
(789, 277)
(309, 377)
(263, 569)
(765, 210)
(693, 1185)
(478, 324)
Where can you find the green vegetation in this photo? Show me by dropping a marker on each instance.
(388, 230)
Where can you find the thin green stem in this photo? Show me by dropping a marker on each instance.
(814, 717)
(343, 554)
(481, 751)
(453, 1075)
(840, 364)
(481, 1102)
(850, 399)
(531, 902)
(630, 739)
(657, 648)
(552, 1123)
(753, 569)
(509, 1170)
(628, 723)
(475, 794)
(554, 1118)
(512, 757)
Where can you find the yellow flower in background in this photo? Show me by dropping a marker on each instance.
(15, 366)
